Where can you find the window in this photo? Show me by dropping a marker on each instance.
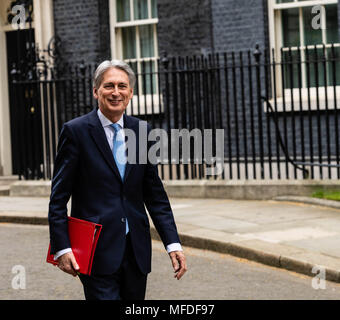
(305, 37)
(135, 41)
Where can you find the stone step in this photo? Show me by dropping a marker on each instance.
(8, 180)
(4, 190)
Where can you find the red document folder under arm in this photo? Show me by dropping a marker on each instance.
(83, 237)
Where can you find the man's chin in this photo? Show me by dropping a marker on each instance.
(115, 104)
(114, 107)
(113, 111)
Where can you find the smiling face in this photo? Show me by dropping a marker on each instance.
(113, 94)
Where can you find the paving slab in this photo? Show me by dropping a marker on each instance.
(291, 235)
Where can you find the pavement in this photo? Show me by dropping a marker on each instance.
(294, 233)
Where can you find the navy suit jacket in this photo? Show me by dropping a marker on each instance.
(85, 169)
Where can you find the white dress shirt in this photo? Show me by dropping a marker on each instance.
(109, 132)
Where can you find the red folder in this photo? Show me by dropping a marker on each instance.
(83, 237)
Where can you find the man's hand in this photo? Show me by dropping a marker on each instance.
(179, 263)
(67, 263)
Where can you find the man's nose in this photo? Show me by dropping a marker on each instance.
(115, 91)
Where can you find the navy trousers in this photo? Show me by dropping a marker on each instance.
(128, 283)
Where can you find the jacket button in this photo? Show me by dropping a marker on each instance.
(123, 219)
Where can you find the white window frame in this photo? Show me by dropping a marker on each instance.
(276, 42)
(145, 101)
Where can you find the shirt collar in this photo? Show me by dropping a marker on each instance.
(106, 122)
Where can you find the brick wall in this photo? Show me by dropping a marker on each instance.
(185, 27)
(239, 24)
(83, 26)
(339, 19)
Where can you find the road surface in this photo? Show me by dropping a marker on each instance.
(25, 275)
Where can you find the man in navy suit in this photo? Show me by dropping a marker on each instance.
(105, 188)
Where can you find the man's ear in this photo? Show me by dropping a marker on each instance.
(95, 92)
(131, 94)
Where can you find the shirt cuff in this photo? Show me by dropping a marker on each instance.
(169, 248)
(61, 252)
(174, 247)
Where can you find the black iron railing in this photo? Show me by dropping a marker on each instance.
(279, 111)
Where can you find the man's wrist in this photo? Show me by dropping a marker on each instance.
(174, 247)
(58, 254)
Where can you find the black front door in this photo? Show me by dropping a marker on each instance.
(25, 109)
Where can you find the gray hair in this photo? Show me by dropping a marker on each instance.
(106, 65)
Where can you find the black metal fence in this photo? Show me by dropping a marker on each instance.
(279, 110)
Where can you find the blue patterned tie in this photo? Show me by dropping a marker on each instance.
(119, 154)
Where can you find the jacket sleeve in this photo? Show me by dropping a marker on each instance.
(65, 167)
(158, 205)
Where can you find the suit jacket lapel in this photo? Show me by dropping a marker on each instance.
(98, 134)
